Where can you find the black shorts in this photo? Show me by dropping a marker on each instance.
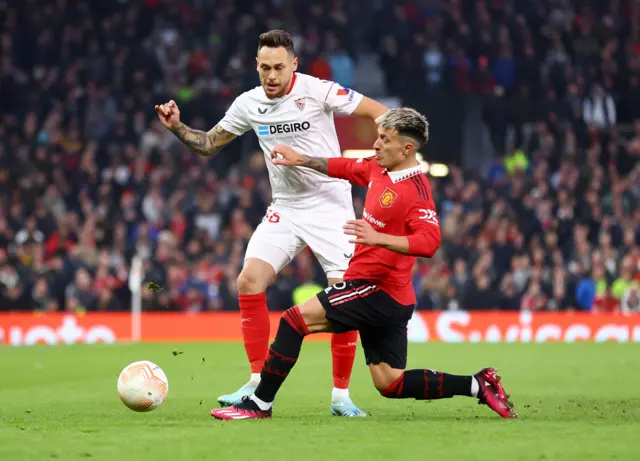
(381, 321)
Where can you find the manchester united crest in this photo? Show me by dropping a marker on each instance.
(300, 102)
(387, 198)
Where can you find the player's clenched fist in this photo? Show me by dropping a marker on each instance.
(362, 230)
(284, 155)
(169, 114)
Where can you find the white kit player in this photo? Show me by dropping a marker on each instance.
(308, 207)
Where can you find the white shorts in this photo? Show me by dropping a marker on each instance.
(284, 232)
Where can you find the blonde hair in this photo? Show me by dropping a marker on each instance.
(407, 122)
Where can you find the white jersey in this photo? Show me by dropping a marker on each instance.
(303, 119)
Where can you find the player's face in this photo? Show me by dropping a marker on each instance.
(392, 150)
(275, 67)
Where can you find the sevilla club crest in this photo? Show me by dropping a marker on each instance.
(300, 102)
(387, 198)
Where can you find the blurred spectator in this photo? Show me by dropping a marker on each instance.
(599, 108)
(342, 65)
(533, 299)
(631, 299)
(80, 294)
(510, 299)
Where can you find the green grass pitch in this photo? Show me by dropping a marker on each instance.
(576, 402)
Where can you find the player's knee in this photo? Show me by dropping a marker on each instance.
(382, 384)
(384, 377)
(314, 315)
(251, 282)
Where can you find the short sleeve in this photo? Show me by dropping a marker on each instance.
(235, 120)
(337, 98)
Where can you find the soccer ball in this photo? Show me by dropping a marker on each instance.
(143, 386)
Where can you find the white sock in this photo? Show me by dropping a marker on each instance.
(264, 406)
(339, 394)
(255, 379)
(475, 387)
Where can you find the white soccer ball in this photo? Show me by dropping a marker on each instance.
(143, 386)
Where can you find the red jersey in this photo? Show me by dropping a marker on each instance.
(397, 203)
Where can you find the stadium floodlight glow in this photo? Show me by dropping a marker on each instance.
(438, 170)
(423, 163)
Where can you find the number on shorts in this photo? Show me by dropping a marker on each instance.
(336, 286)
(272, 216)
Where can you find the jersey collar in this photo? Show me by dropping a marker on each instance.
(293, 82)
(397, 176)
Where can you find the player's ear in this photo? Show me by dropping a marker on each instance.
(294, 63)
(257, 64)
(409, 148)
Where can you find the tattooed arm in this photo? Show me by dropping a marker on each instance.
(356, 171)
(205, 143)
(320, 164)
(287, 156)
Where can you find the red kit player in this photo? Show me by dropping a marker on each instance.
(399, 224)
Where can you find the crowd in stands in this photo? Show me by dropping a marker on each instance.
(89, 178)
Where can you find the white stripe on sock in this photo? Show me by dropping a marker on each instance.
(475, 387)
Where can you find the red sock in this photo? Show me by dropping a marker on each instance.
(343, 350)
(255, 328)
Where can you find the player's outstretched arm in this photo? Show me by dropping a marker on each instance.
(205, 143)
(287, 156)
(320, 164)
(354, 171)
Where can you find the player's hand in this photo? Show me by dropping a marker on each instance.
(169, 114)
(362, 231)
(284, 155)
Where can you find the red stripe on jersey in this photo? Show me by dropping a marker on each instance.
(325, 98)
(416, 183)
(293, 82)
(424, 181)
